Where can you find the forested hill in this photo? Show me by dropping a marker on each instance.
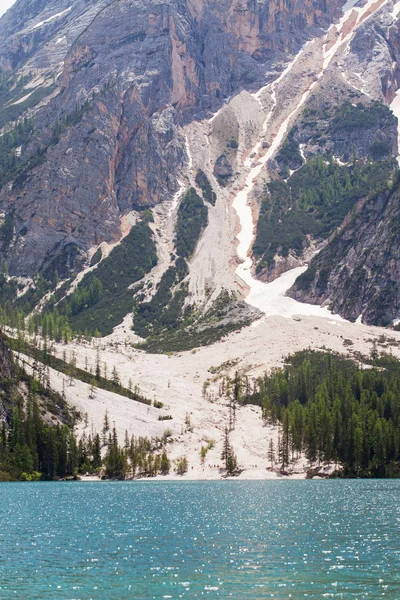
(325, 407)
(36, 425)
(334, 411)
(37, 437)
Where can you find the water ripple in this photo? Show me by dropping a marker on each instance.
(294, 539)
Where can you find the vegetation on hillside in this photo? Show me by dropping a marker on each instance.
(15, 164)
(37, 439)
(9, 142)
(359, 116)
(334, 411)
(191, 221)
(205, 186)
(12, 111)
(289, 153)
(103, 298)
(96, 376)
(13, 96)
(313, 202)
(35, 424)
(166, 310)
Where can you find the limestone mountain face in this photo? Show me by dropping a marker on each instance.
(164, 119)
(37, 34)
(358, 273)
(122, 77)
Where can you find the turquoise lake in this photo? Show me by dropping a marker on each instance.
(227, 539)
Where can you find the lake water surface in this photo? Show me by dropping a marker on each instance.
(227, 539)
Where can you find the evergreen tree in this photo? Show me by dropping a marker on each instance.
(228, 455)
(271, 453)
(165, 464)
(115, 459)
(285, 441)
(182, 466)
(98, 367)
(115, 378)
(96, 458)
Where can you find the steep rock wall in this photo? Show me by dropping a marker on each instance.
(143, 68)
(358, 273)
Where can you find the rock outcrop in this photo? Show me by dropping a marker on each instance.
(358, 273)
(132, 73)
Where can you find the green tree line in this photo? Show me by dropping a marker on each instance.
(335, 411)
(37, 438)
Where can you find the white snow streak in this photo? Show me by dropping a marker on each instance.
(60, 14)
(396, 10)
(270, 298)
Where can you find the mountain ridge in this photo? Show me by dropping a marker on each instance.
(127, 128)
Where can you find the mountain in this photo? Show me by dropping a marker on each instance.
(137, 135)
(191, 191)
(123, 95)
(357, 273)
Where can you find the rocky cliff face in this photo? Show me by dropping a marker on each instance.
(37, 34)
(127, 74)
(120, 95)
(358, 273)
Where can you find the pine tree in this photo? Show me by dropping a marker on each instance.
(106, 426)
(115, 459)
(115, 378)
(182, 466)
(228, 455)
(98, 368)
(165, 464)
(358, 448)
(379, 448)
(271, 453)
(285, 441)
(96, 458)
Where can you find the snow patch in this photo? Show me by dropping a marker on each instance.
(56, 16)
(270, 298)
(189, 154)
(396, 10)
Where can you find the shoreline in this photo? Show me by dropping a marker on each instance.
(254, 476)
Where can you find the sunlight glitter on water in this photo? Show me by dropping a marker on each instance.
(255, 540)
